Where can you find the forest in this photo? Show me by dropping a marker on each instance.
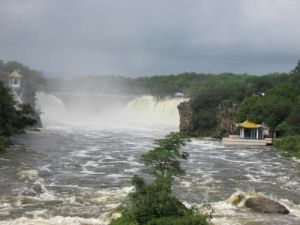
(272, 100)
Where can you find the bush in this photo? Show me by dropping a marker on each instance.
(289, 144)
(155, 200)
(154, 204)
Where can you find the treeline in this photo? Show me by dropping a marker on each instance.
(159, 85)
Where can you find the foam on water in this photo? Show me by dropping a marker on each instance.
(29, 175)
(57, 220)
(90, 163)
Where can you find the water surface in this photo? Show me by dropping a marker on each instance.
(77, 173)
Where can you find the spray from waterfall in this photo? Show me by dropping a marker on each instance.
(148, 108)
(51, 108)
(104, 110)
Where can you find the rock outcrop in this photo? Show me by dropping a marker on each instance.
(265, 205)
(257, 203)
(226, 119)
(226, 112)
(185, 113)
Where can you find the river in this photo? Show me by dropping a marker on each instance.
(78, 167)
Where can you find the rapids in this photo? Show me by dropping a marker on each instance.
(78, 168)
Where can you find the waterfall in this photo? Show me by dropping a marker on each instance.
(51, 108)
(103, 110)
(152, 110)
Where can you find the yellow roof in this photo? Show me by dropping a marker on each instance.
(248, 124)
(15, 74)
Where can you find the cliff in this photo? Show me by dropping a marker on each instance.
(225, 117)
(185, 114)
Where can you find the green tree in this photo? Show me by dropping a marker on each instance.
(154, 203)
(290, 145)
(164, 160)
(13, 117)
(249, 110)
(297, 68)
(8, 114)
(290, 126)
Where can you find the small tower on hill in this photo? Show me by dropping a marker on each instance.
(15, 84)
(14, 80)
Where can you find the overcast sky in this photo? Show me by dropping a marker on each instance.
(147, 37)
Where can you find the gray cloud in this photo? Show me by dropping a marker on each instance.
(139, 37)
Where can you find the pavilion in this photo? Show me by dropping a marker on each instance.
(250, 133)
(251, 130)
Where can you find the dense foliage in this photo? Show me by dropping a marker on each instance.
(15, 117)
(290, 145)
(154, 203)
(273, 100)
(279, 108)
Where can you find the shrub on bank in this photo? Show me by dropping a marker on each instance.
(2, 143)
(290, 145)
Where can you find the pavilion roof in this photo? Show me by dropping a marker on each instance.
(249, 124)
(15, 74)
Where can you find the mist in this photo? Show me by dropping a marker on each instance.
(107, 111)
(96, 84)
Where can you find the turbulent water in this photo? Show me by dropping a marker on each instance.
(78, 168)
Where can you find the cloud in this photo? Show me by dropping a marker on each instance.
(135, 37)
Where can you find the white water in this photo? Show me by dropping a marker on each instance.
(103, 111)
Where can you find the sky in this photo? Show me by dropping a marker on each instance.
(150, 37)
